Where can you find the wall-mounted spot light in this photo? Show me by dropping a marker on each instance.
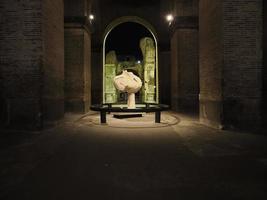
(169, 18)
(138, 62)
(91, 17)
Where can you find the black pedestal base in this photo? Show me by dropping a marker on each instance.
(124, 116)
(107, 108)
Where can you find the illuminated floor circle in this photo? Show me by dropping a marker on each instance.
(147, 121)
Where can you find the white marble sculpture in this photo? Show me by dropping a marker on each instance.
(130, 83)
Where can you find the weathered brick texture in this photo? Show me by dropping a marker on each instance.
(23, 60)
(231, 62)
(242, 72)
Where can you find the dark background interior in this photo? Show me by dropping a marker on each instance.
(124, 39)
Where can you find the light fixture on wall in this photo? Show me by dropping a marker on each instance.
(91, 17)
(169, 18)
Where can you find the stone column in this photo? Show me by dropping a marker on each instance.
(77, 57)
(264, 101)
(185, 57)
(53, 61)
(231, 63)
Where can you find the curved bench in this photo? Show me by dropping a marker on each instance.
(146, 108)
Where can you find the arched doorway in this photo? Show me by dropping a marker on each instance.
(146, 65)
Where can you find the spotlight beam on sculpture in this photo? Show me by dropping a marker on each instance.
(130, 83)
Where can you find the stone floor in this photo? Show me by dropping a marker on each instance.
(182, 159)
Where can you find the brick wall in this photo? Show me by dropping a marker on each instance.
(242, 72)
(23, 37)
(20, 64)
(231, 63)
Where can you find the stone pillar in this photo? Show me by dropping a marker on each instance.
(31, 65)
(77, 57)
(264, 89)
(185, 57)
(231, 63)
(211, 62)
(53, 61)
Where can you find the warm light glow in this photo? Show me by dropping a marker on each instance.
(169, 18)
(91, 17)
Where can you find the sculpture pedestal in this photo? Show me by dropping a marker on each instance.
(126, 115)
(131, 100)
(107, 108)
